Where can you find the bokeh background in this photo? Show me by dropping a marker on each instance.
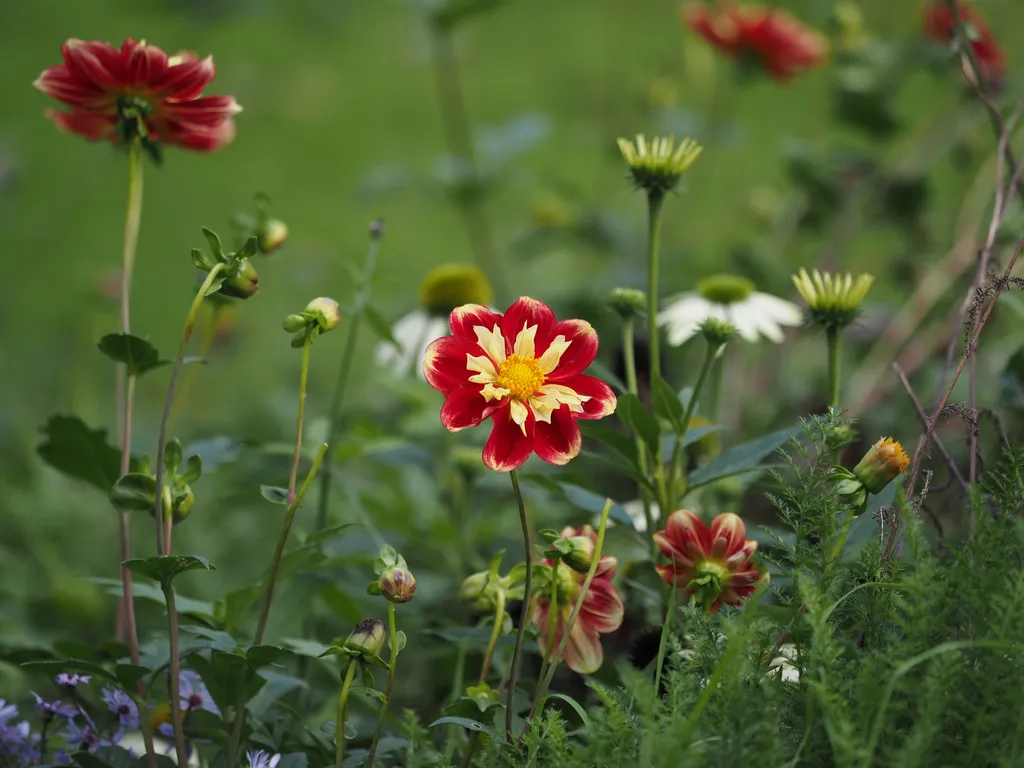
(342, 125)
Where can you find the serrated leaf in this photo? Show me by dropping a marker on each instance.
(738, 459)
(72, 448)
(667, 404)
(134, 492)
(193, 469)
(274, 494)
(165, 569)
(638, 420)
(138, 354)
(380, 325)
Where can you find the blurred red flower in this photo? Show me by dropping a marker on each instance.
(940, 26)
(600, 613)
(780, 44)
(712, 563)
(524, 370)
(114, 94)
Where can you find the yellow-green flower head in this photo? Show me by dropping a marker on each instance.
(453, 285)
(657, 166)
(628, 302)
(833, 301)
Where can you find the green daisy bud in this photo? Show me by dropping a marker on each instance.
(271, 235)
(833, 301)
(579, 554)
(325, 312)
(628, 302)
(453, 285)
(242, 282)
(657, 166)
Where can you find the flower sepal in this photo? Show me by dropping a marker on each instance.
(851, 490)
(239, 278)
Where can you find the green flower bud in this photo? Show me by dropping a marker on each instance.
(182, 504)
(580, 554)
(717, 332)
(453, 285)
(294, 323)
(851, 490)
(367, 640)
(326, 313)
(882, 464)
(628, 302)
(243, 283)
(398, 585)
(480, 590)
(271, 235)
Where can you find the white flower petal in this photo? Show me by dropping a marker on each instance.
(781, 311)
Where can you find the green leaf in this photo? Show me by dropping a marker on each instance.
(134, 492)
(494, 567)
(138, 354)
(193, 469)
(340, 603)
(172, 456)
(400, 640)
(248, 249)
(603, 372)
(464, 722)
(71, 447)
(274, 494)
(629, 471)
(372, 693)
(594, 503)
(264, 655)
(202, 261)
(215, 245)
(166, 569)
(623, 445)
(328, 534)
(693, 434)
(379, 325)
(483, 696)
(667, 405)
(277, 685)
(72, 665)
(575, 705)
(130, 674)
(739, 458)
(638, 420)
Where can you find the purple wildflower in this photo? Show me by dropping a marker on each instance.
(259, 759)
(7, 711)
(121, 704)
(72, 679)
(194, 694)
(14, 739)
(85, 738)
(55, 708)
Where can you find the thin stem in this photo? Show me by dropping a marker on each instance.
(665, 630)
(629, 356)
(341, 384)
(393, 642)
(176, 720)
(556, 657)
(711, 354)
(524, 614)
(297, 455)
(832, 337)
(499, 619)
(164, 546)
(339, 735)
(459, 139)
(654, 204)
(209, 335)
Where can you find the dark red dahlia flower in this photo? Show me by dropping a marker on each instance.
(139, 90)
(781, 45)
(524, 370)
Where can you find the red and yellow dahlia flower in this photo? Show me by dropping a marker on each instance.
(107, 89)
(600, 614)
(524, 371)
(782, 45)
(940, 26)
(712, 563)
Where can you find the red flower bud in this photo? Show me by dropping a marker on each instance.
(398, 585)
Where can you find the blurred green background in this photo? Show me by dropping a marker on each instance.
(341, 125)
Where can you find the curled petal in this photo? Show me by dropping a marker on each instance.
(687, 532)
(580, 353)
(728, 535)
(144, 65)
(185, 77)
(467, 317)
(208, 110)
(601, 400)
(602, 609)
(558, 441)
(59, 83)
(524, 313)
(465, 407)
(584, 654)
(204, 138)
(444, 363)
(677, 576)
(606, 567)
(509, 445)
(86, 124)
(94, 62)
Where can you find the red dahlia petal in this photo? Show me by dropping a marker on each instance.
(602, 609)
(203, 138)
(524, 313)
(602, 399)
(58, 83)
(582, 348)
(95, 62)
(558, 442)
(144, 66)
(444, 363)
(728, 534)
(466, 407)
(185, 78)
(687, 532)
(208, 110)
(584, 654)
(86, 124)
(606, 567)
(680, 577)
(507, 447)
(465, 318)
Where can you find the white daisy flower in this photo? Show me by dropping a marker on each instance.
(445, 288)
(731, 299)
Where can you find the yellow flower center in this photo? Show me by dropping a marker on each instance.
(521, 376)
(725, 289)
(892, 454)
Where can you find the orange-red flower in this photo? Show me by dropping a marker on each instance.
(114, 94)
(524, 371)
(600, 614)
(781, 45)
(940, 25)
(712, 563)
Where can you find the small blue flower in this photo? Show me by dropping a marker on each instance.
(86, 738)
(194, 694)
(55, 708)
(7, 711)
(259, 759)
(14, 739)
(121, 704)
(72, 679)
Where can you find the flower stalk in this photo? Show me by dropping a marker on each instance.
(175, 673)
(499, 619)
(833, 342)
(711, 353)
(165, 527)
(655, 200)
(524, 613)
(339, 735)
(629, 355)
(393, 642)
(209, 335)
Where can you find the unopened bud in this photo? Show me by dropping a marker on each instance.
(243, 283)
(717, 332)
(271, 235)
(294, 323)
(581, 553)
(885, 461)
(628, 302)
(367, 640)
(477, 590)
(851, 490)
(182, 505)
(398, 585)
(326, 312)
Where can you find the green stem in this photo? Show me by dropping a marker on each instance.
(339, 734)
(832, 335)
(499, 619)
(393, 642)
(556, 658)
(163, 543)
(236, 729)
(303, 382)
(175, 683)
(209, 334)
(629, 355)
(714, 388)
(675, 466)
(838, 549)
(654, 204)
(666, 627)
(524, 614)
(341, 384)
